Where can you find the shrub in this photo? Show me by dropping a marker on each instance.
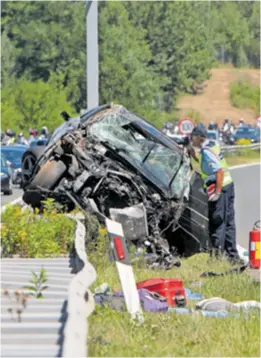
(244, 95)
(27, 234)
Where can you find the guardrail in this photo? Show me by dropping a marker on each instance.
(80, 299)
(237, 148)
(56, 325)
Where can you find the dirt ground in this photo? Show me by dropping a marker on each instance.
(214, 104)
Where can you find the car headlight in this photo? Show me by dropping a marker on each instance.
(3, 174)
(252, 140)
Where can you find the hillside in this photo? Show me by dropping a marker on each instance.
(214, 104)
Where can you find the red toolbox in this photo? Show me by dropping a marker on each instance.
(170, 288)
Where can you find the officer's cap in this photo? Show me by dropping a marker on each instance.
(200, 131)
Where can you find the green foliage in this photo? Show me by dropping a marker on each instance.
(245, 95)
(178, 40)
(37, 284)
(149, 53)
(125, 76)
(35, 104)
(27, 234)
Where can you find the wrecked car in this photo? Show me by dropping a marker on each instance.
(113, 163)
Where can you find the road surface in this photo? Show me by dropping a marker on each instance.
(5, 199)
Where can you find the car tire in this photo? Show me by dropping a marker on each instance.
(29, 159)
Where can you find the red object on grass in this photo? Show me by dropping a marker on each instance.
(170, 288)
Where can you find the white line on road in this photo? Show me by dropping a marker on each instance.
(17, 200)
(244, 165)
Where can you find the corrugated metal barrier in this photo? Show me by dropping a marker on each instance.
(56, 325)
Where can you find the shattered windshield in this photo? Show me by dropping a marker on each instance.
(151, 157)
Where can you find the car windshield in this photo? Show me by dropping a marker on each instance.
(13, 156)
(149, 155)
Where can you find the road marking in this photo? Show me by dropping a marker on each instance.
(244, 165)
(11, 203)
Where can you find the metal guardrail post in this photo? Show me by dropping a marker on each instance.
(80, 299)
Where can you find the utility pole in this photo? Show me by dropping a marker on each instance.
(92, 54)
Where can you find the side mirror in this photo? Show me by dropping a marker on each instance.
(186, 141)
(65, 116)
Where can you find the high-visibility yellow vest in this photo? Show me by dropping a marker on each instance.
(223, 163)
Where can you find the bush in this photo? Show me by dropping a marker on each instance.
(245, 95)
(28, 234)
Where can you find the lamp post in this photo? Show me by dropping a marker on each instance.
(92, 54)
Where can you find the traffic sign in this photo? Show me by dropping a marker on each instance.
(186, 125)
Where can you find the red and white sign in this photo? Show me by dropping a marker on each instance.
(186, 125)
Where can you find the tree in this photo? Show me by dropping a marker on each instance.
(178, 41)
(125, 76)
(28, 104)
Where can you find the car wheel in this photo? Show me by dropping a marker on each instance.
(28, 163)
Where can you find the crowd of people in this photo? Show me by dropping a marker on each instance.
(9, 137)
(227, 128)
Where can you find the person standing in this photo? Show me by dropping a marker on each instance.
(219, 186)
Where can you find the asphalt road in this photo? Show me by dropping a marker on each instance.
(5, 199)
(247, 202)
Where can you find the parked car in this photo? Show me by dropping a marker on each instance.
(6, 176)
(14, 153)
(252, 134)
(115, 164)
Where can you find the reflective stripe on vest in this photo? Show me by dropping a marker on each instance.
(212, 178)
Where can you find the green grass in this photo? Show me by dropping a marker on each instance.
(111, 334)
(244, 95)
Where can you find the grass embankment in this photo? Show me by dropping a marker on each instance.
(170, 334)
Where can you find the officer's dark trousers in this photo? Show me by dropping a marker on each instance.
(222, 223)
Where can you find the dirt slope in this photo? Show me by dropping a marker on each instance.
(214, 104)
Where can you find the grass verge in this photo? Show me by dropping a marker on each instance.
(170, 334)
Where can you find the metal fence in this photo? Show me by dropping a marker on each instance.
(239, 149)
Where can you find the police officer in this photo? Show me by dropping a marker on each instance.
(219, 186)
